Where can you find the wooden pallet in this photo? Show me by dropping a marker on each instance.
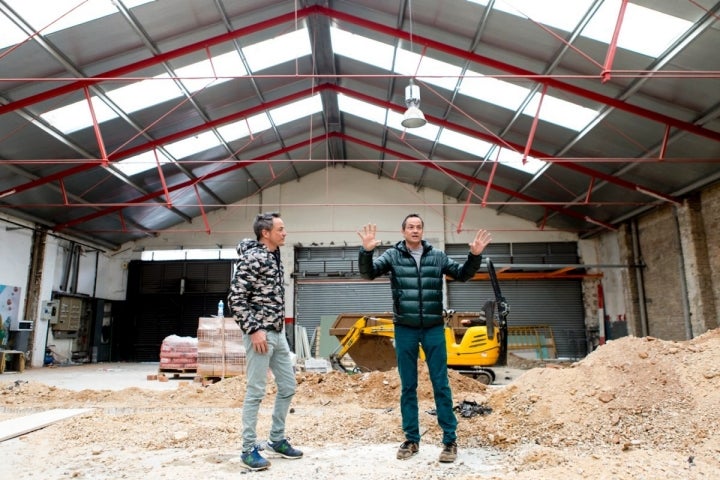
(176, 372)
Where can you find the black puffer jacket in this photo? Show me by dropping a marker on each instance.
(417, 295)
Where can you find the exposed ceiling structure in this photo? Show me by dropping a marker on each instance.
(637, 129)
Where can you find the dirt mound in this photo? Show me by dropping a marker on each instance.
(629, 392)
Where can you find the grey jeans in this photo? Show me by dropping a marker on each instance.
(277, 360)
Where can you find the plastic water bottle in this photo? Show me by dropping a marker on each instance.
(221, 309)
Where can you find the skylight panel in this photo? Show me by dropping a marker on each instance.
(233, 131)
(55, 15)
(460, 141)
(77, 116)
(464, 142)
(281, 115)
(130, 98)
(145, 93)
(296, 110)
(644, 30)
(492, 90)
(435, 72)
(245, 127)
(141, 163)
(514, 159)
(362, 109)
(199, 75)
(362, 49)
(191, 145)
(377, 115)
(561, 112)
(277, 50)
(510, 96)
(562, 14)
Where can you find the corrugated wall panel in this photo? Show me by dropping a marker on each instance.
(522, 253)
(557, 303)
(315, 299)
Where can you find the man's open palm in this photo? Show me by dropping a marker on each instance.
(482, 239)
(367, 235)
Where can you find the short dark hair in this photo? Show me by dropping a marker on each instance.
(413, 215)
(264, 221)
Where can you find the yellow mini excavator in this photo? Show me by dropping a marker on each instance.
(475, 341)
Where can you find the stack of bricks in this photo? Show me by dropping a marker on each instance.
(221, 352)
(179, 354)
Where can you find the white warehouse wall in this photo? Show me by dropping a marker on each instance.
(329, 206)
(106, 279)
(332, 204)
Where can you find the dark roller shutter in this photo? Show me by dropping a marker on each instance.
(557, 303)
(314, 299)
(167, 298)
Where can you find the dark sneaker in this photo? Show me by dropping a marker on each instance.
(407, 449)
(449, 453)
(253, 460)
(284, 449)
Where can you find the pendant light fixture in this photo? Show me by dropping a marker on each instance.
(413, 117)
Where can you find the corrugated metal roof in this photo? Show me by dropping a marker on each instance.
(655, 136)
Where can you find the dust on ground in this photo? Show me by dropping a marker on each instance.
(636, 408)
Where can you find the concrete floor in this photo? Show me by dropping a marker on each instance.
(97, 376)
(117, 376)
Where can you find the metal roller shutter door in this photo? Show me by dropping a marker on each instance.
(557, 303)
(316, 299)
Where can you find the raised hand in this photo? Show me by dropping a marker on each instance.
(367, 235)
(482, 239)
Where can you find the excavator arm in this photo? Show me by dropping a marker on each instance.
(362, 327)
(503, 309)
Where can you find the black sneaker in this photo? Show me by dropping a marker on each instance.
(253, 460)
(284, 449)
(407, 449)
(449, 453)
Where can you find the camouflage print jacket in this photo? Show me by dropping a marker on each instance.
(257, 291)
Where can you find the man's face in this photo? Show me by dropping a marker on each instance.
(413, 231)
(276, 236)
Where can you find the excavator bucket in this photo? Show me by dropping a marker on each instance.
(368, 352)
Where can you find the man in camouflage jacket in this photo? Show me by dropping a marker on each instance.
(257, 301)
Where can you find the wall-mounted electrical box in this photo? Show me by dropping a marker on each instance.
(70, 312)
(50, 311)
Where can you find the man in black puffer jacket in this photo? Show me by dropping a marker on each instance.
(416, 278)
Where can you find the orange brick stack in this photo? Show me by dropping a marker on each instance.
(179, 354)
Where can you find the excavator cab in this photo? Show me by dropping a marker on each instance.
(473, 342)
